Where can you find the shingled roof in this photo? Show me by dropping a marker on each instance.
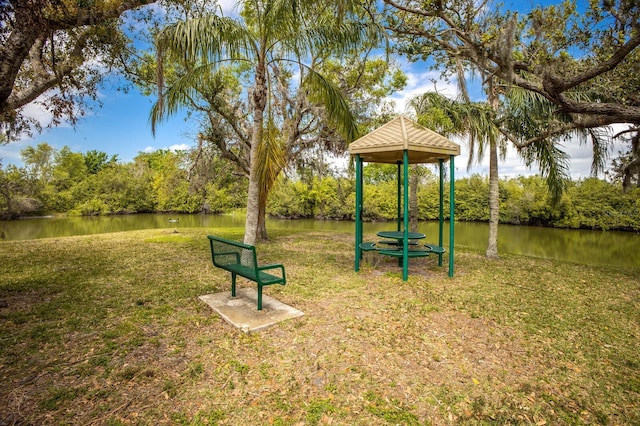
(387, 143)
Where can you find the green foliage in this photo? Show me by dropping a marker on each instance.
(319, 408)
(525, 200)
(378, 172)
(328, 198)
(96, 160)
(335, 198)
(188, 182)
(38, 166)
(293, 199)
(14, 193)
(380, 201)
(113, 189)
(591, 204)
(393, 412)
(472, 198)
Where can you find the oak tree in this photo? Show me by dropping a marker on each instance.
(54, 52)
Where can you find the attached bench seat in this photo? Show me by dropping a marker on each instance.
(434, 249)
(241, 259)
(413, 252)
(396, 243)
(250, 273)
(368, 246)
(395, 248)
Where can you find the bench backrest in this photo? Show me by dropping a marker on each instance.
(226, 252)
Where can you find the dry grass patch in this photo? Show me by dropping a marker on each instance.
(108, 330)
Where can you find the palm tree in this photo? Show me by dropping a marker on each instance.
(520, 117)
(474, 120)
(267, 33)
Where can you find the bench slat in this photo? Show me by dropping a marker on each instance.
(410, 253)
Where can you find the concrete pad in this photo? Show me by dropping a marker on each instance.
(242, 311)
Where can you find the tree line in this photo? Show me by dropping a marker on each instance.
(164, 181)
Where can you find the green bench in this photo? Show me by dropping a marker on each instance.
(241, 259)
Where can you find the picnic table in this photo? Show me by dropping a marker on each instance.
(394, 241)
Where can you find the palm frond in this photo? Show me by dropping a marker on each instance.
(178, 95)
(478, 123)
(210, 38)
(524, 113)
(325, 93)
(205, 40)
(275, 19)
(553, 163)
(341, 37)
(600, 149)
(272, 157)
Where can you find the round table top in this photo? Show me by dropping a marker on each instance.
(398, 235)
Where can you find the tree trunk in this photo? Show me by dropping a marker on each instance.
(494, 201)
(259, 98)
(413, 198)
(262, 222)
(251, 222)
(494, 194)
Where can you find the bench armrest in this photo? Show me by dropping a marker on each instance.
(274, 266)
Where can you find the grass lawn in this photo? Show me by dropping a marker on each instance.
(108, 329)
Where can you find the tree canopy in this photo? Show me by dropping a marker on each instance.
(45, 49)
(581, 57)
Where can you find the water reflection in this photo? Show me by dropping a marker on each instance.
(581, 246)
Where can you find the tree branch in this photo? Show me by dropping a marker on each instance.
(32, 24)
(562, 85)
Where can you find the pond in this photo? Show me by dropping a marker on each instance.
(580, 246)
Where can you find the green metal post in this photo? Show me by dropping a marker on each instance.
(399, 196)
(405, 239)
(441, 211)
(359, 197)
(452, 205)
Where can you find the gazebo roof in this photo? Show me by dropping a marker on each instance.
(387, 143)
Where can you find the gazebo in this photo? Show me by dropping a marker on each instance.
(402, 141)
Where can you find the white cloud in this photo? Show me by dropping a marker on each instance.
(38, 112)
(229, 7)
(10, 153)
(419, 83)
(179, 147)
(174, 148)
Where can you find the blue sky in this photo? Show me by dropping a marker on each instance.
(121, 126)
